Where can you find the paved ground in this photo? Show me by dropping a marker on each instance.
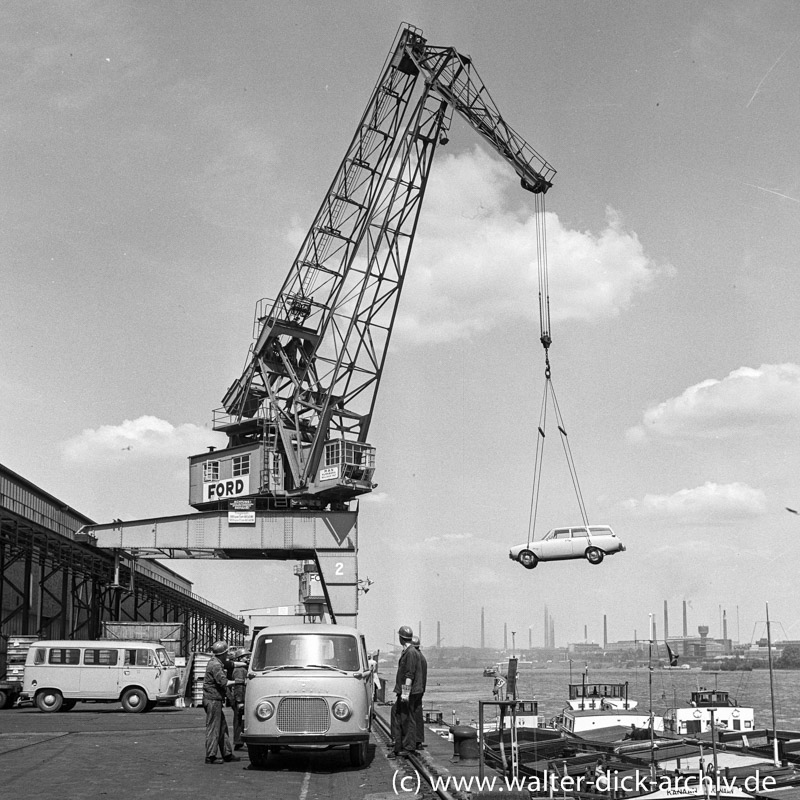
(97, 751)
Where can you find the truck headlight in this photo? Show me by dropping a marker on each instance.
(341, 710)
(265, 710)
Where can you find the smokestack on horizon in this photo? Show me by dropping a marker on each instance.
(685, 626)
(666, 621)
(605, 631)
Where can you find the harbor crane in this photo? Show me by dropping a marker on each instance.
(298, 417)
(301, 409)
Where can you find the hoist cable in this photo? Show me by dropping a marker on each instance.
(570, 459)
(537, 468)
(549, 389)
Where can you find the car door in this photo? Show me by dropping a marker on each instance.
(580, 541)
(557, 545)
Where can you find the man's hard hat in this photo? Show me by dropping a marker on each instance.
(219, 648)
(405, 632)
(415, 641)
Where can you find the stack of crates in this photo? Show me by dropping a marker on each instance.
(198, 667)
(16, 654)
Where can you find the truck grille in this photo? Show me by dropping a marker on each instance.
(303, 715)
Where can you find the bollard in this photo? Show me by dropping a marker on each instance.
(465, 743)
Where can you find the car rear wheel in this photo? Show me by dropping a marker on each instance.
(358, 754)
(594, 555)
(49, 700)
(528, 559)
(258, 754)
(134, 701)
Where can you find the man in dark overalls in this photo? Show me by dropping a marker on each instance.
(215, 684)
(241, 660)
(408, 692)
(419, 688)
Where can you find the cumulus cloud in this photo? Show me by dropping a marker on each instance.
(746, 400)
(711, 502)
(146, 437)
(475, 258)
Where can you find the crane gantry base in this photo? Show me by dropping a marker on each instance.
(329, 538)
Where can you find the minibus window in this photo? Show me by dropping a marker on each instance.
(103, 658)
(38, 655)
(139, 658)
(65, 655)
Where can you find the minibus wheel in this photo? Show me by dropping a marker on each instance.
(134, 700)
(358, 754)
(49, 700)
(258, 754)
(68, 705)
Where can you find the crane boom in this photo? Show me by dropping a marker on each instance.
(298, 417)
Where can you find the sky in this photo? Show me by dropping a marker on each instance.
(161, 163)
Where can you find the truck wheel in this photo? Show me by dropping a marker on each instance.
(49, 700)
(5, 700)
(134, 700)
(358, 754)
(258, 754)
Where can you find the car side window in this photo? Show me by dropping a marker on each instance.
(580, 532)
(561, 533)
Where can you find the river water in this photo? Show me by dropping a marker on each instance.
(459, 690)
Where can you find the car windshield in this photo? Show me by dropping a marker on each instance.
(314, 650)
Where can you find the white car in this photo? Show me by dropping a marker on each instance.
(593, 543)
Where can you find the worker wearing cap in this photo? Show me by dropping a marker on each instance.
(407, 688)
(241, 659)
(215, 684)
(420, 688)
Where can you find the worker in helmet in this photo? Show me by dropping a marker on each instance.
(423, 681)
(215, 685)
(408, 692)
(241, 661)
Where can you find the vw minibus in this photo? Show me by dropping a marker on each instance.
(309, 687)
(59, 673)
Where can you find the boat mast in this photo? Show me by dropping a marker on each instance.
(650, 682)
(772, 696)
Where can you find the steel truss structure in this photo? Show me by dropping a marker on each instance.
(55, 586)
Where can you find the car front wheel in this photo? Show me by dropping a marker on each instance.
(528, 559)
(594, 555)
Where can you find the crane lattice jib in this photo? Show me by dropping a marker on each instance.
(315, 278)
(314, 369)
(453, 76)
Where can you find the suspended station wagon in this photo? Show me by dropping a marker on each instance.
(593, 543)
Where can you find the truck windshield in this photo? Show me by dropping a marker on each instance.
(306, 650)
